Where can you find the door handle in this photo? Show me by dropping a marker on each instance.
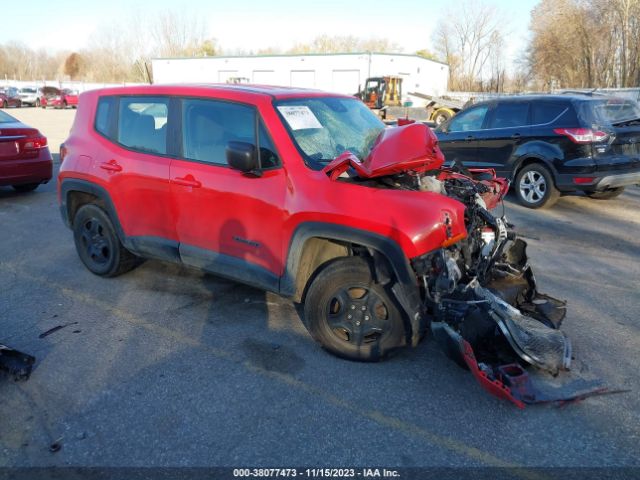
(111, 166)
(187, 181)
(469, 138)
(515, 135)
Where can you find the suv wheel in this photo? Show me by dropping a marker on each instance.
(98, 245)
(350, 315)
(606, 194)
(535, 187)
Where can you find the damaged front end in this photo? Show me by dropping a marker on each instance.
(479, 291)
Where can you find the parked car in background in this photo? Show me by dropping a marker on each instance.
(25, 159)
(69, 98)
(58, 98)
(29, 96)
(9, 97)
(49, 96)
(550, 145)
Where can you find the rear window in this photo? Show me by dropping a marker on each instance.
(104, 116)
(608, 111)
(510, 114)
(5, 118)
(142, 123)
(544, 112)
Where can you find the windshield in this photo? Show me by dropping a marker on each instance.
(324, 127)
(27, 90)
(606, 112)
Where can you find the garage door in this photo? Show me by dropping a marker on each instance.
(303, 78)
(346, 81)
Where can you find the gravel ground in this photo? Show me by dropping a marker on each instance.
(166, 366)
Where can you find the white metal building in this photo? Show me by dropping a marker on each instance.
(342, 73)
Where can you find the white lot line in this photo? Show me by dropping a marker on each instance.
(377, 416)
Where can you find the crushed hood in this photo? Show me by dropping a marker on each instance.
(398, 149)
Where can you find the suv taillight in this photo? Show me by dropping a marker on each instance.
(582, 135)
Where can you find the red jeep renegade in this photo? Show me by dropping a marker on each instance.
(307, 194)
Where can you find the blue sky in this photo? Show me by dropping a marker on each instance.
(254, 24)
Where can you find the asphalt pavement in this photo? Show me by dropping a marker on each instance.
(166, 366)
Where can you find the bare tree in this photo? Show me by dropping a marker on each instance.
(345, 44)
(467, 38)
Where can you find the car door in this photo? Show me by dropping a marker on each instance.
(228, 222)
(134, 164)
(458, 137)
(507, 127)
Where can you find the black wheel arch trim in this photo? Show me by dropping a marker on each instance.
(69, 185)
(406, 288)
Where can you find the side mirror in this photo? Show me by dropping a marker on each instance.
(243, 156)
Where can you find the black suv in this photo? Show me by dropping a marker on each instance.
(550, 144)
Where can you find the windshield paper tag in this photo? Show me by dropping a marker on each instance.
(300, 117)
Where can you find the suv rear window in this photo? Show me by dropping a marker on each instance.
(544, 112)
(607, 111)
(104, 116)
(510, 114)
(142, 123)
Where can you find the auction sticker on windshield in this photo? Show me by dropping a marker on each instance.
(299, 117)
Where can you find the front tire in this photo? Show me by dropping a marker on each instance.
(37, 103)
(98, 244)
(535, 187)
(350, 314)
(606, 194)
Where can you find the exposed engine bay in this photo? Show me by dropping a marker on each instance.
(479, 292)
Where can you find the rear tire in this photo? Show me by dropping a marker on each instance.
(37, 103)
(5, 104)
(98, 244)
(350, 315)
(606, 194)
(29, 187)
(535, 188)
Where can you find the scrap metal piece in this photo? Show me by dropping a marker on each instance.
(512, 382)
(535, 342)
(15, 363)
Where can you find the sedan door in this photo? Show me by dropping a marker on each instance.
(228, 222)
(458, 137)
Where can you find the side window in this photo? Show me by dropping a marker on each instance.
(544, 112)
(209, 125)
(142, 123)
(469, 120)
(510, 114)
(104, 116)
(268, 155)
